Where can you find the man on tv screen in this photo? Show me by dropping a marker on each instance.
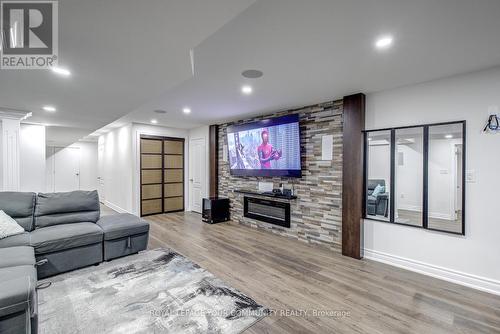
(266, 151)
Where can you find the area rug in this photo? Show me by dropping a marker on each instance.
(157, 291)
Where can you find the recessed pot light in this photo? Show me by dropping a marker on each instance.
(154, 121)
(49, 108)
(448, 136)
(252, 74)
(247, 90)
(186, 110)
(384, 42)
(61, 71)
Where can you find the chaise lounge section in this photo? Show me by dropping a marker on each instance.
(123, 235)
(66, 233)
(63, 232)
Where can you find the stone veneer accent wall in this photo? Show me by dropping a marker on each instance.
(316, 216)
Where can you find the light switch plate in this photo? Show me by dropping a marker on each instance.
(327, 147)
(470, 176)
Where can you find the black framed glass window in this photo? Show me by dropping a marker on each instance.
(378, 175)
(408, 167)
(415, 176)
(446, 176)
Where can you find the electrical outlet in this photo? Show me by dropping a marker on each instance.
(470, 176)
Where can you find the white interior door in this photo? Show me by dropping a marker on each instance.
(197, 168)
(66, 169)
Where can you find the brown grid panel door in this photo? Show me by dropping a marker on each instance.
(173, 187)
(151, 176)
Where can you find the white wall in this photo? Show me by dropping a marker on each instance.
(472, 260)
(119, 164)
(116, 168)
(409, 176)
(379, 164)
(409, 187)
(442, 178)
(87, 156)
(32, 158)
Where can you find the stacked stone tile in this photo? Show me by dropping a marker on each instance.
(316, 216)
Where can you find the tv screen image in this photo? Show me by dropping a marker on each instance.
(266, 148)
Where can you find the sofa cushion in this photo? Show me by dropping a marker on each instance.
(373, 183)
(122, 225)
(61, 237)
(378, 190)
(66, 208)
(18, 289)
(19, 206)
(22, 239)
(17, 256)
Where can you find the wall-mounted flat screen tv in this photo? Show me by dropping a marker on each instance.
(270, 147)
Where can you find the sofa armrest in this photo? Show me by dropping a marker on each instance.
(382, 204)
(383, 196)
(17, 295)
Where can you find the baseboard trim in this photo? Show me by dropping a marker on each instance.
(115, 207)
(472, 281)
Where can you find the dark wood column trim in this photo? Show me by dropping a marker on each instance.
(352, 175)
(214, 160)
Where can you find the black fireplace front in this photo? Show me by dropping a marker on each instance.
(269, 211)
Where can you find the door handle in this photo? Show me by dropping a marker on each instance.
(191, 180)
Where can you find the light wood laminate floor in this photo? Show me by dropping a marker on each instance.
(285, 274)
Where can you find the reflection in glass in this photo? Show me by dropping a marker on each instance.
(445, 177)
(379, 174)
(408, 164)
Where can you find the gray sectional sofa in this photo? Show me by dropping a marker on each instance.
(63, 232)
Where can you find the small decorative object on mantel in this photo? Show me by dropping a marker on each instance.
(287, 192)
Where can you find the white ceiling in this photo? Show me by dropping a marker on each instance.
(313, 51)
(120, 53)
(132, 59)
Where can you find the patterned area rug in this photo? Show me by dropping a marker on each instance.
(156, 291)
